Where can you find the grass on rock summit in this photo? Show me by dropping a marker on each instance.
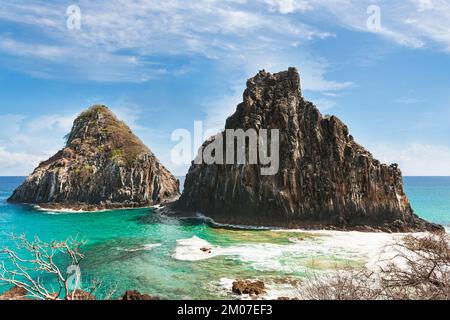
(98, 130)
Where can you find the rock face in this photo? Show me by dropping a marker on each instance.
(251, 288)
(325, 178)
(103, 166)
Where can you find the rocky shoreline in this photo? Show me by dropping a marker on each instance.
(84, 207)
(273, 224)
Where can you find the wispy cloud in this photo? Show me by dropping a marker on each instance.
(123, 41)
(17, 163)
(416, 159)
(325, 104)
(46, 52)
(411, 23)
(289, 6)
(24, 141)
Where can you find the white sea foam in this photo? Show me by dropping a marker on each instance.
(72, 211)
(195, 249)
(145, 247)
(63, 210)
(368, 248)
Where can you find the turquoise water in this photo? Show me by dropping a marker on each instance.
(138, 249)
(430, 197)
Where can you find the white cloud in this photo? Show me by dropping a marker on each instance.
(61, 62)
(50, 123)
(423, 5)
(219, 109)
(416, 159)
(10, 125)
(289, 6)
(122, 40)
(18, 163)
(324, 104)
(45, 52)
(25, 142)
(411, 23)
(313, 74)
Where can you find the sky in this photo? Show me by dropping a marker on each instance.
(383, 67)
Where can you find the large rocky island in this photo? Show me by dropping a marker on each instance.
(103, 166)
(325, 178)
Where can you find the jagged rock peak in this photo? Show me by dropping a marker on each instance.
(288, 80)
(325, 179)
(102, 166)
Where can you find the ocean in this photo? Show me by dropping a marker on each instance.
(141, 250)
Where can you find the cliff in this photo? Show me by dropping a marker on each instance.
(325, 179)
(103, 166)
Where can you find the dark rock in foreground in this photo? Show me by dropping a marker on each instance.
(133, 295)
(325, 178)
(15, 293)
(81, 295)
(251, 288)
(103, 166)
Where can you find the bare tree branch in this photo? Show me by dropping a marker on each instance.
(419, 269)
(39, 256)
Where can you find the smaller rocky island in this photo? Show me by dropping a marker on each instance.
(103, 166)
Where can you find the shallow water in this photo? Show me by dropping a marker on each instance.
(141, 250)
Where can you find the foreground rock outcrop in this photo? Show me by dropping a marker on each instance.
(80, 295)
(251, 288)
(103, 166)
(15, 293)
(325, 179)
(133, 295)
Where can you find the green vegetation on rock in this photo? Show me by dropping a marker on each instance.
(98, 131)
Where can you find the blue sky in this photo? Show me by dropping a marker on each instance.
(161, 65)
